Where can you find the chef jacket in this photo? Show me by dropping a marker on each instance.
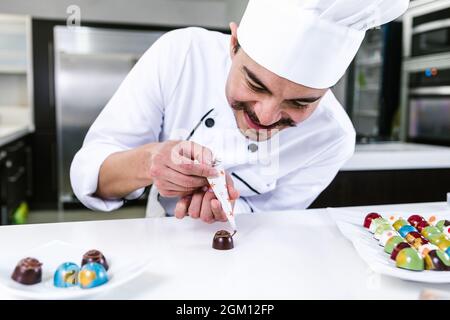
(177, 91)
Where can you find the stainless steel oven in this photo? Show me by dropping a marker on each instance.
(427, 29)
(425, 94)
(431, 33)
(429, 105)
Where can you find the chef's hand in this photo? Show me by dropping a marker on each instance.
(174, 171)
(203, 204)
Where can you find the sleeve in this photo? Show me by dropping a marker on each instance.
(298, 190)
(132, 117)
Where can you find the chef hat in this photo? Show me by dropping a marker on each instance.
(311, 42)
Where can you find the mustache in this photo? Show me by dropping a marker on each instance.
(242, 106)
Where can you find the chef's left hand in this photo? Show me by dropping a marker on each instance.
(203, 204)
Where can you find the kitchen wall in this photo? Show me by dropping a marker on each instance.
(211, 13)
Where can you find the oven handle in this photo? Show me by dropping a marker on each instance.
(440, 91)
(430, 26)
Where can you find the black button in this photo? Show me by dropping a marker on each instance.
(253, 147)
(210, 122)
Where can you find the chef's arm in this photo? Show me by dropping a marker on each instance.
(124, 172)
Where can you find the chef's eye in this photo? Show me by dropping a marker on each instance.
(255, 87)
(299, 105)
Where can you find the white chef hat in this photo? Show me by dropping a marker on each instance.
(311, 42)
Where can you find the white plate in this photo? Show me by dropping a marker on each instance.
(350, 223)
(51, 255)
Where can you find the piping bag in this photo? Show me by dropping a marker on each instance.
(219, 186)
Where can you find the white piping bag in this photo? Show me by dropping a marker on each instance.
(219, 186)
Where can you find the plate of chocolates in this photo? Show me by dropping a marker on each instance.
(59, 270)
(405, 245)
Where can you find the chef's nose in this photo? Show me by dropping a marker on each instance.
(267, 111)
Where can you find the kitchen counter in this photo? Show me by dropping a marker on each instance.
(277, 255)
(398, 156)
(9, 133)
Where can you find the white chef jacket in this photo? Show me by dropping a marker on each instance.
(177, 91)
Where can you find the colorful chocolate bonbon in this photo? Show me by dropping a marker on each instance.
(399, 223)
(392, 243)
(415, 243)
(415, 219)
(437, 260)
(66, 275)
(92, 275)
(409, 259)
(368, 220)
(406, 229)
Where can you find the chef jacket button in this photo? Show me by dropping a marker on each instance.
(252, 147)
(210, 122)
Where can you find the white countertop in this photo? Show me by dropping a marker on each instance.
(9, 133)
(398, 156)
(277, 255)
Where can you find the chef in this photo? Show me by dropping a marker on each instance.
(257, 101)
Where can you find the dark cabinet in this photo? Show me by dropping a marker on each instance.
(15, 177)
(363, 188)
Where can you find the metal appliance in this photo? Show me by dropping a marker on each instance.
(90, 64)
(426, 74)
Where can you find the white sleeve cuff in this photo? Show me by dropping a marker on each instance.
(135, 194)
(84, 173)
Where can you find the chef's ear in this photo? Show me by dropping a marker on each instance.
(234, 44)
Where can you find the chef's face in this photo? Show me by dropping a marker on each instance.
(264, 103)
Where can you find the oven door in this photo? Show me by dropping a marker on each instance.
(431, 33)
(429, 115)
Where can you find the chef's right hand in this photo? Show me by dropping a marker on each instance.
(173, 170)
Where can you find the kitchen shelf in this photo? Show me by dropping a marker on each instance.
(12, 70)
(366, 113)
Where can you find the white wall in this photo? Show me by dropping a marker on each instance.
(210, 13)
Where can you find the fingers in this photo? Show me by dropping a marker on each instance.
(182, 181)
(206, 214)
(189, 167)
(196, 205)
(197, 152)
(217, 210)
(182, 206)
(183, 159)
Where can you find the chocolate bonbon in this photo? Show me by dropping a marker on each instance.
(95, 256)
(28, 271)
(437, 260)
(392, 243)
(92, 275)
(399, 247)
(415, 219)
(399, 223)
(368, 220)
(223, 240)
(430, 231)
(441, 224)
(409, 259)
(404, 230)
(66, 275)
(375, 223)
